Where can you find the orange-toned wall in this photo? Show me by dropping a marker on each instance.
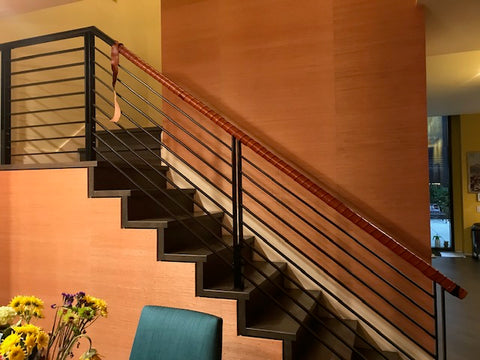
(54, 239)
(336, 87)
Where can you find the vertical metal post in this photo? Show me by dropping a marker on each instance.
(6, 117)
(89, 52)
(435, 313)
(444, 325)
(237, 212)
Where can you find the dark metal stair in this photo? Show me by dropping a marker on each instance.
(266, 306)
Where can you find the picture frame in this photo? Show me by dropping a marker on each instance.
(473, 165)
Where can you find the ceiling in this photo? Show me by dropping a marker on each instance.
(453, 56)
(14, 7)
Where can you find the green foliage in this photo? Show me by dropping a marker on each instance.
(440, 195)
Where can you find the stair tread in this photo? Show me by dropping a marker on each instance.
(373, 355)
(252, 276)
(133, 130)
(315, 349)
(139, 165)
(197, 248)
(166, 221)
(155, 192)
(276, 323)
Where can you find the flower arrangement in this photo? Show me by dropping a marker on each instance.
(22, 340)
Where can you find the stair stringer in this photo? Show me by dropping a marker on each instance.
(198, 261)
(387, 329)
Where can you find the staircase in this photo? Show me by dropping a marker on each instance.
(267, 307)
(171, 159)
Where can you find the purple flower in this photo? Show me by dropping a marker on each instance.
(68, 299)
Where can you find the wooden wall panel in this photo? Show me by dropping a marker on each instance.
(336, 87)
(54, 239)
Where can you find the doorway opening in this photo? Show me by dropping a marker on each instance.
(440, 185)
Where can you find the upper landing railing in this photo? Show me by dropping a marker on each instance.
(58, 100)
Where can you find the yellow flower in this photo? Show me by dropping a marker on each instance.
(97, 304)
(17, 303)
(42, 340)
(10, 341)
(27, 306)
(16, 353)
(30, 342)
(27, 329)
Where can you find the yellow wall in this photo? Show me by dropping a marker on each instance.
(457, 182)
(469, 130)
(134, 23)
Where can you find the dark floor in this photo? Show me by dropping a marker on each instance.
(463, 316)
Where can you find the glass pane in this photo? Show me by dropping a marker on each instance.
(439, 181)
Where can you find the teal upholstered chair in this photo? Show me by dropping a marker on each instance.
(176, 334)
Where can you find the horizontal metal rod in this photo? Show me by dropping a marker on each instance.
(172, 167)
(156, 187)
(152, 167)
(165, 146)
(47, 82)
(48, 110)
(282, 220)
(47, 153)
(329, 239)
(164, 115)
(50, 138)
(295, 282)
(63, 66)
(58, 36)
(49, 124)
(48, 54)
(323, 216)
(49, 96)
(182, 222)
(177, 108)
(326, 271)
(137, 156)
(167, 132)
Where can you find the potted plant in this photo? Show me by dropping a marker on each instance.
(436, 239)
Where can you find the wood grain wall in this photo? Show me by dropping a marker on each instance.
(336, 87)
(54, 239)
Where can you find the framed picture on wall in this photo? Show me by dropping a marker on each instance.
(473, 163)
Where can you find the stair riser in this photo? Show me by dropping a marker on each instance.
(112, 179)
(216, 268)
(124, 138)
(182, 236)
(143, 207)
(122, 158)
(258, 300)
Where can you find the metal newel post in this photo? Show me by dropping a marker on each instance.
(5, 141)
(237, 213)
(89, 52)
(444, 325)
(435, 311)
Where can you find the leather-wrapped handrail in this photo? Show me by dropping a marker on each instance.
(429, 271)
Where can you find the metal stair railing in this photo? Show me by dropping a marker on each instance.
(248, 188)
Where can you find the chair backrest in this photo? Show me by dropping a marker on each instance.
(177, 334)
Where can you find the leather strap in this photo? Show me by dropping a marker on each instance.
(115, 61)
